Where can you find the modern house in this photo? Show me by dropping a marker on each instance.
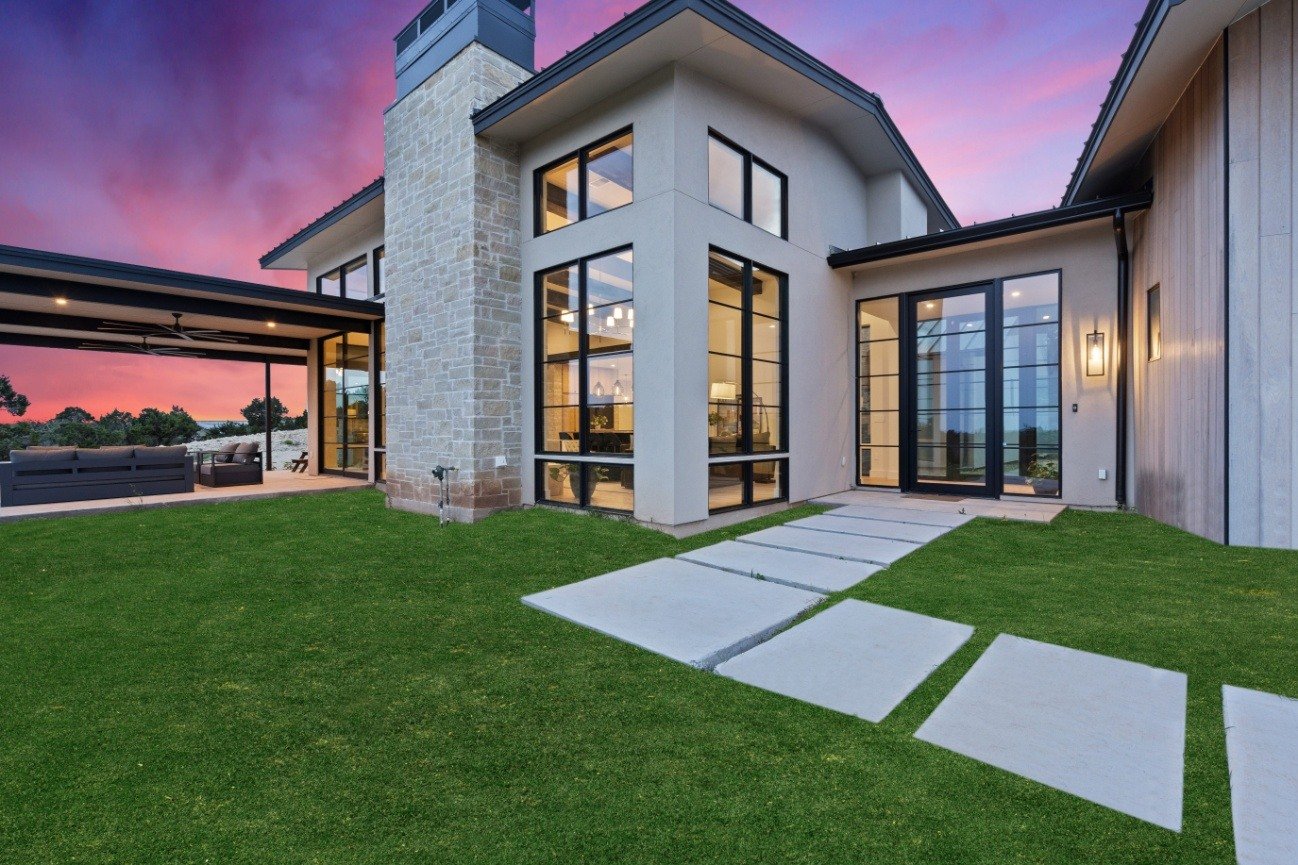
(688, 271)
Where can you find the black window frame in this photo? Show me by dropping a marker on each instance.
(899, 375)
(586, 460)
(749, 161)
(379, 253)
(582, 155)
(320, 404)
(746, 455)
(341, 270)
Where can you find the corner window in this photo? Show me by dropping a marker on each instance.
(1154, 323)
(745, 186)
(587, 183)
(585, 380)
(746, 382)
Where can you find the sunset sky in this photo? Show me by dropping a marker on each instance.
(196, 136)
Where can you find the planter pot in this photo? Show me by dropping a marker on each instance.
(1044, 486)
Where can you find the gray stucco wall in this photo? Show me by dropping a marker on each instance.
(671, 226)
(1085, 255)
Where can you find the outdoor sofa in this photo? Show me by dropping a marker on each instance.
(46, 475)
(232, 465)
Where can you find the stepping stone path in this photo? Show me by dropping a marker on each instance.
(1262, 746)
(792, 568)
(875, 551)
(1107, 730)
(857, 658)
(887, 529)
(690, 613)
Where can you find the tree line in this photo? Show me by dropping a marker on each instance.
(76, 427)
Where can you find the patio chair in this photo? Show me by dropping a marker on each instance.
(299, 464)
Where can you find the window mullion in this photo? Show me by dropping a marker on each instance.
(746, 360)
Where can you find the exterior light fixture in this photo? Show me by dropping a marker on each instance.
(60, 301)
(1095, 353)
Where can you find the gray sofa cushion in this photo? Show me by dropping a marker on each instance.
(42, 455)
(241, 454)
(161, 453)
(115, 454)
(225, 453)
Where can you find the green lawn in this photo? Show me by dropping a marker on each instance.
(323, 680)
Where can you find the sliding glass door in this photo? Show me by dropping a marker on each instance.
(952, 403)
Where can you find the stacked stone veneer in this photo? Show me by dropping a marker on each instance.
(452, 270)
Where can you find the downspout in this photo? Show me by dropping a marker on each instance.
(1124, 352)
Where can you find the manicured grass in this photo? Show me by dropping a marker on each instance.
(324, 680)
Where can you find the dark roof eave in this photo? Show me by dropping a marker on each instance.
(1146, 31)
(350, 205)
(738, 24)
(75, 265)
(1024, 224)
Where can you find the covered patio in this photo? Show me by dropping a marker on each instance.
(52, 300)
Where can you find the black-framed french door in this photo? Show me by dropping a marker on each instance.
(951, 405)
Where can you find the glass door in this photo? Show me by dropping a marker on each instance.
(952, 408)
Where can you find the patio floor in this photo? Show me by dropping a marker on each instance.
(277, 483)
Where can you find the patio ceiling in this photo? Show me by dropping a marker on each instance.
(60, 301)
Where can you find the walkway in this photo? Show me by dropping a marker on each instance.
(1104, 729)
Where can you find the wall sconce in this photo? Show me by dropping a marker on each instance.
(1095, 353)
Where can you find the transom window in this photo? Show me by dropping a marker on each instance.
(587, 183)
(350, 280)
(745, 186)
(746, 382)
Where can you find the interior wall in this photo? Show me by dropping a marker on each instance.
(1178, 400)
(1263, 311)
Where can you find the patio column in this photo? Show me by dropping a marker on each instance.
(270, 463)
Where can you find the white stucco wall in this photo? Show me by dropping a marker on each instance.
(671, 226)
(1085, 255)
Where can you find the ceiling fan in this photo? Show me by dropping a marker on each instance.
(142, 348)
(175, 330)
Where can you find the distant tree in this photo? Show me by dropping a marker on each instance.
(73, 427)
(156, 427)
(115, 427)
(15, 436)
(227, 429)
(75, 414)
(255, 414)
(10, 400)
(291, 423)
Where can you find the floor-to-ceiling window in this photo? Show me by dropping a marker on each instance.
(878, 323)
(747, 306)
(1031, 404)
(971, 403)
(586, 384)
(345, 403)
(381, 402)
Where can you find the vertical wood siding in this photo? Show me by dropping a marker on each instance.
(1263, 266)
(1179, 245)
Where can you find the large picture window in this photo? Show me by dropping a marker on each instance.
(745, 186)
(878, 371)
(587, 183)
(586, 386)
(746, 381)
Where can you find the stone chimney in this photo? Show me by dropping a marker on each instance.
(452, 268)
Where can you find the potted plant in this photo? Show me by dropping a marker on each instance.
(1043, 476)
(556, 474)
